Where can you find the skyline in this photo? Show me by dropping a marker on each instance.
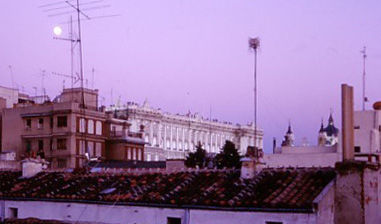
(307, 48)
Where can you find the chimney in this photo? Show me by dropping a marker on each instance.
(31, 167)
(347, 122)
(251, 166)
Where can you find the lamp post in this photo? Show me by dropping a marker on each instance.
(254, 44)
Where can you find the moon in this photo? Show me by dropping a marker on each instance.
(57, 30)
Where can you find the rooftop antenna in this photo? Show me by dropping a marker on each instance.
(92, 78)
(364, 98)
(43, 71)
(254, 45)
(11, 73)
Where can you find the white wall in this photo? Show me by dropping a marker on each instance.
(96, 213)
(301, 160)
(368, 134)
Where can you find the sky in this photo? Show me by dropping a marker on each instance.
(185, 55)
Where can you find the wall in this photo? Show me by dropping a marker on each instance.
(301, 160)
(95, 213)
(10, 165)
(10, 95)
(367, 134)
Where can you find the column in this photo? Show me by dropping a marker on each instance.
(165, 137)
(183, 140)
(151, 132)
(190, 139)
(158, 135)
(177, 139)
(170, 138)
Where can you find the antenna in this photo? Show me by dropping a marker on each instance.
(11, 73)
(364, 98)
(254, 44)
(92, 78)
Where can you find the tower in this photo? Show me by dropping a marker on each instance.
(328, 136)
(289, 137)
(322, 137)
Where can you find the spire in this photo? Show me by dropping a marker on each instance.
(321, 126)
(289, 131)
(330, 119)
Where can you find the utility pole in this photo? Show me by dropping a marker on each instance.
(254, 44)
(364, 98)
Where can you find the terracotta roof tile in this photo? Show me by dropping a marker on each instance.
(272, 188)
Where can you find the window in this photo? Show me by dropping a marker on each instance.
(82, 147)
(133, 154)
(139, 154)
(61, 163)
(28, 123)
(40, 124)
(40, 145)
(98, 128)
(98, 149)
(357, 149)
(90, 149)
(61, 143)
(357, 127)
(172, 220)
(13, 213)
(82, 125)
(28, 146)
(148, 157)
(270, 222)
(51, 122)
(90, 126)
(61, 121)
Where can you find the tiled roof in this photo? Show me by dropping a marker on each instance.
(270, 189)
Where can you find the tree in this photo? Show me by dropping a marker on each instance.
(197, 158)
(228, 157)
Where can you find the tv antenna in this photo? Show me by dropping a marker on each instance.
(74, 7)
(364, 98)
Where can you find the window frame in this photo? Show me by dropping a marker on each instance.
(62, 123)
(59, 143)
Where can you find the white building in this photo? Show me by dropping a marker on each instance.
(325, 154)
(173, 136)
(367, 125)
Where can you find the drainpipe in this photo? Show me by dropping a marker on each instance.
(187, 216)
(2, 211)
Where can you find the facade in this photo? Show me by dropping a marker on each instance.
(67, 134)
(367, 125)
(62, 132)
(170, 136)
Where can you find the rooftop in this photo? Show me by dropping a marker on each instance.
(273, 189)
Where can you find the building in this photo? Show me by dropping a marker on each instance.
(328, 136)
(61, 132)
(13, 96)
(367, 125)
(325, 154)
(177, 198)
(171, 136)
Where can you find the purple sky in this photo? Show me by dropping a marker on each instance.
(184, 55)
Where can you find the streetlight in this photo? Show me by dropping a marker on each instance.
(254, 44)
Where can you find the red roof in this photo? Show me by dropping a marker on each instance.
(271, 189)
